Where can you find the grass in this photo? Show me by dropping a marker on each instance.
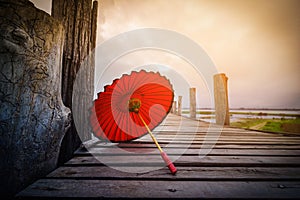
(247, 123)
(274, 125)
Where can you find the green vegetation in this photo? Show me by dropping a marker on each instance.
(247, 123)
(274, 125)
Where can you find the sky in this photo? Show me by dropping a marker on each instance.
(254, 42)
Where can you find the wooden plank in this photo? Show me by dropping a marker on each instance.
(195, 131)
(232, 134)
(183, 173)
(119, 189)
(155, 160)
(222, 139)
(221, 136)
(190, 131)
(213, 152)
(242, 164)
(214, 140)
(217, 142)
(199, 146)
(204, 130)
(211, 141)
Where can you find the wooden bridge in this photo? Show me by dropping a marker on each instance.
(242, 164)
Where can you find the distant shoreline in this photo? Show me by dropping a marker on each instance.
(273, 109)
(280, 120)
(250, 112)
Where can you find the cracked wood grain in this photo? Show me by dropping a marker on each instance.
(33, 119)
(79, 19)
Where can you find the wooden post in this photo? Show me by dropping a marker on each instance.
(179, 105)
(193, 103)
(33, 119)
(221, 99)
(79, 18)
(174, 107)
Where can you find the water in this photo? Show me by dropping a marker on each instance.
(236, 115)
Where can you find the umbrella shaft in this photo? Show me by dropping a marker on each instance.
(169, 163)
(151, 134)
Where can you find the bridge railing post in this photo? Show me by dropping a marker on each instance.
(221, 99)
(179, 107)
(193, 103)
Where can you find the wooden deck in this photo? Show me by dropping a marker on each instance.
(242, 164)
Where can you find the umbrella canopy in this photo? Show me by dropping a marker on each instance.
(122, 112)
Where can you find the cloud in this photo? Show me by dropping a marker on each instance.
(255, 42)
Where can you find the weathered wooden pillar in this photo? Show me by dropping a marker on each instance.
(33, 119)
(193, 103)
(221, 99)
(79, 20)
(174, 109)
(179, 105)
(93, 45)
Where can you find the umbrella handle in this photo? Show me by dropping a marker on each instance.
(164, 156)
(169, 163)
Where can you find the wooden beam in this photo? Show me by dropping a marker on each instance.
(79, 19)
(193, 103)
(221, 99)
(199, 173)
(179, 105)
(118, 189)
(174, 109)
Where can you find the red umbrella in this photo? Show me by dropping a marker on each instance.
(131, 107)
